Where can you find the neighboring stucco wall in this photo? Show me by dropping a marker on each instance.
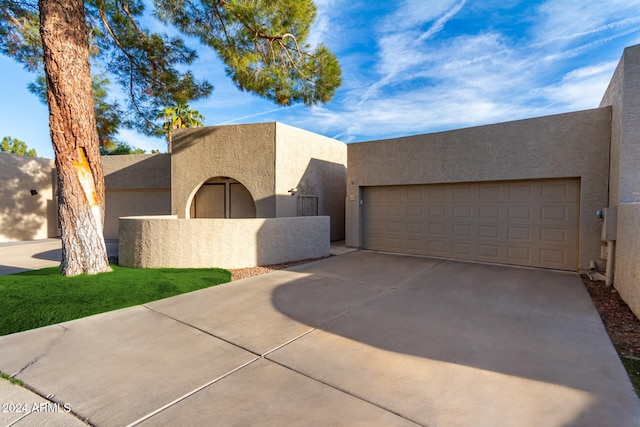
(135, 185)
(623, 95)
(559, 146)
(147, 242)
(245, 153)
(24, 216)
(317, 166)
(137, 171)
(613, 99)
(627, 259)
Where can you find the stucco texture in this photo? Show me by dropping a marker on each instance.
(627, 260)
(135, 185)
(623, 96)
(574, 145)
(147, 242)
(137, 171)
(315, 165)
(269, 159)
(613, 99)
(26, 216)
(245, 153)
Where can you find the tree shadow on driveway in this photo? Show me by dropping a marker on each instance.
(52, 255)
(463, 340)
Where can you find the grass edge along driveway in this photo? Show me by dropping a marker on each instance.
(37, 298)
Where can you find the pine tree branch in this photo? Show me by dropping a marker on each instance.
(125, 8)
(219, 16)
(131, 60)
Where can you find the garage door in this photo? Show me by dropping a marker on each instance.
(133, 202)
(532, 223)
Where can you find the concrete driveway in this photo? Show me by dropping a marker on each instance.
(16, 257)
(363, 338)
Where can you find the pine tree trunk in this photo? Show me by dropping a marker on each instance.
(74, 136)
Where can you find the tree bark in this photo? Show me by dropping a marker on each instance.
(74, 136)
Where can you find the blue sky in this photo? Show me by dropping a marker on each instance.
(410, 67)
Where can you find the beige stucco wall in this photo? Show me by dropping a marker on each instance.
(269, 159)
(627, 259)
(136, 184)
(23, 216)
(147, 242)
(315, 165)
(613, 99)
(623, 95)
(137, 171)
(245, 153)
(559, 146)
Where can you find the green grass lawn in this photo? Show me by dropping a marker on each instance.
(632, 365)
(43, 297)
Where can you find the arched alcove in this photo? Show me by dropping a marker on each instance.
(222, 197)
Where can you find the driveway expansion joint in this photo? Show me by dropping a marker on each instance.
(264, 355)
(419, 272)
(425, 390)
(361, 398)
(19, 419)
(203, 331)
(191, 393)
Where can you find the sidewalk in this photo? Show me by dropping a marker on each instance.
(363, 338)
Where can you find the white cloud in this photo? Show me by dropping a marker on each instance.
(405, 74)
(426, 109)
(560, 54)
(414, 66)
(581, 88)
(402, 46)
(411, 14)
(422, 82)
(439, 24)
(263, 113)
(567, 20)
(321, 28)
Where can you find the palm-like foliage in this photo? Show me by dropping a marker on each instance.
(262, 43)
(179, 116)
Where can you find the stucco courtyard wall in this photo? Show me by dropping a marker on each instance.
(623, 95)
(23, 215)
(574, 145)
(269, 159)
(316, 166)
(147, 242)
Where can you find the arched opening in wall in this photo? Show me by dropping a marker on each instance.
(222, 197)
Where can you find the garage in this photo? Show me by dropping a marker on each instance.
(132, 203)
(527, 222)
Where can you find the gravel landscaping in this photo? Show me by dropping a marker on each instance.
(621, 324)
(243, 273)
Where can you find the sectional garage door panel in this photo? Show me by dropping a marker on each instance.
(532, 223)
